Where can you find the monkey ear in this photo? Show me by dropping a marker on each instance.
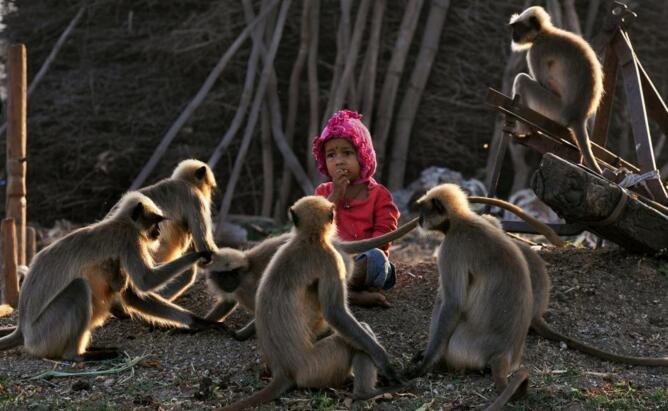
(331, 214)
(200, 172)
(137, 211)
(293, 217)
(438, 206)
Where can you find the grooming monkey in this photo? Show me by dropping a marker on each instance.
(541, 285)
(303, 287)
(483, 307)
(234, 275)
(185, 199)
(566, 79)
(71, 283)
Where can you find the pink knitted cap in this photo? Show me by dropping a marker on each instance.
(347, 124)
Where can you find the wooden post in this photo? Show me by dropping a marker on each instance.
(10, 293)
(16, 145)
(31, 244)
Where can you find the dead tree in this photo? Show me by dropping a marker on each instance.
(393, 74)
(411, 99)
(314, 95)
(367, 80)
(253, 116)
(195, 102)
(293, 105)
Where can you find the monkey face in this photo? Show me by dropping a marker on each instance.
(433, 215)
(526, 26)
(148, 220)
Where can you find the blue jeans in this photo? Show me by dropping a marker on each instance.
(380, 272)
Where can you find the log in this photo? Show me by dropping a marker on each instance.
(31, 244)
(10, 291)
(613, 213)
(17, 164)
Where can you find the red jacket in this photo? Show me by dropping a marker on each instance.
(368, 218)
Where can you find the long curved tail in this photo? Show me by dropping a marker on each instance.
(582, 140)
(544, 330)
(355, 247)
(538, 225)
(276, 387)
(517, 387)
(14, 339)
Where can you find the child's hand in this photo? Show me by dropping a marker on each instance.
(341, 182)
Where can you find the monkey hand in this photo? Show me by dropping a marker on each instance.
(391, 375)
(201, 324)
(415, 371)
(205, 257)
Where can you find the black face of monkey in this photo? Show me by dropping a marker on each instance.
(148, 221)
(227, 281)
(433, 215)
(525, 31)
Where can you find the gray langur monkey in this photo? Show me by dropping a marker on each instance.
(566, 78)
(483, 307)
(185, 199)
(303, 287)
(234, 275)
(541, 285)
(71, 283)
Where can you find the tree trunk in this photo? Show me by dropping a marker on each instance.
(253, 116)
(583, 197)
(247, 92)
(342, 44)
(313, 88)
(368, 78)
(267, 164)
(554, 10)
(393, 74)
(411, 100)
(194, 103)
(592, 12)
(293, 105)
(571, 20)
(351, 58)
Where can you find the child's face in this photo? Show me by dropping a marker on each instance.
(341, 159)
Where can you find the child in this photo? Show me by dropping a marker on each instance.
(364, 209)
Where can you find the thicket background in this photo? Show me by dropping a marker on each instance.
(130, 67)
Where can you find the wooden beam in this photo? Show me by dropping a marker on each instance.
(10, 292)
(552, 136)
(15, 203)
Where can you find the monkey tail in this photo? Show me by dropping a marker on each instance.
(583, 143)
(538, 225)
(517, 387)
(14, 339)
(355, 247)
(278, 385)
(543, 329)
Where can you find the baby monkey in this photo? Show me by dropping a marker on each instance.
(234, 275)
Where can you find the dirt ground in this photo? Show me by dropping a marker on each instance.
(606, 297)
